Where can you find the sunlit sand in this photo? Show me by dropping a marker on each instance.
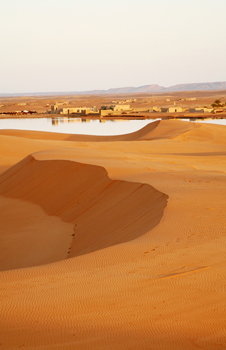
(113, 242)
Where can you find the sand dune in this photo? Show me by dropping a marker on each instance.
(163, 129)
(145, 224)
(137, 135)
(102, 212)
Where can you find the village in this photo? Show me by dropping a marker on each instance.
(98, 107)
(119, 108)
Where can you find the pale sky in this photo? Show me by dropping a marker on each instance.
(76, 45)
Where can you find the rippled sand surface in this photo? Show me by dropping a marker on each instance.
(113, 242)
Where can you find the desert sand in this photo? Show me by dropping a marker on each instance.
(42, 104)
(114, 242)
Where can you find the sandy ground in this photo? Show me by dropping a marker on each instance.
(41, 104)
(114, 242)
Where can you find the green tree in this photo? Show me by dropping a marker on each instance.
(217, 103)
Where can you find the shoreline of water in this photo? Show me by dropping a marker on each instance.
(70, 125)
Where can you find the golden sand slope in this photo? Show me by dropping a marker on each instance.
(163, 287)
(88, 138)
(149, 132)
(101, 212)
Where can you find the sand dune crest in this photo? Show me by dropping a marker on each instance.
(154, 130)
(100, 212)
(165, 289)
(40, 135)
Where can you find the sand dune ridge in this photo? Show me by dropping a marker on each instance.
(101, 212)
(165, 289)
(154, 130)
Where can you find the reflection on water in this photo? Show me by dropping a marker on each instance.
(218, 121)
(65, 120)
(71, 125)
(55, 121)
(110, 127)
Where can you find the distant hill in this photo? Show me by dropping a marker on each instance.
(198, 87)
(126, 90)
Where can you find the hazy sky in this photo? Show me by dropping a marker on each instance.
(71, 45)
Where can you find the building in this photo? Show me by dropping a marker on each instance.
(56, 109)
(76, 110)
(171, 109)
(116, 107)
(200, 110)
(156, 109)
(104, 112)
